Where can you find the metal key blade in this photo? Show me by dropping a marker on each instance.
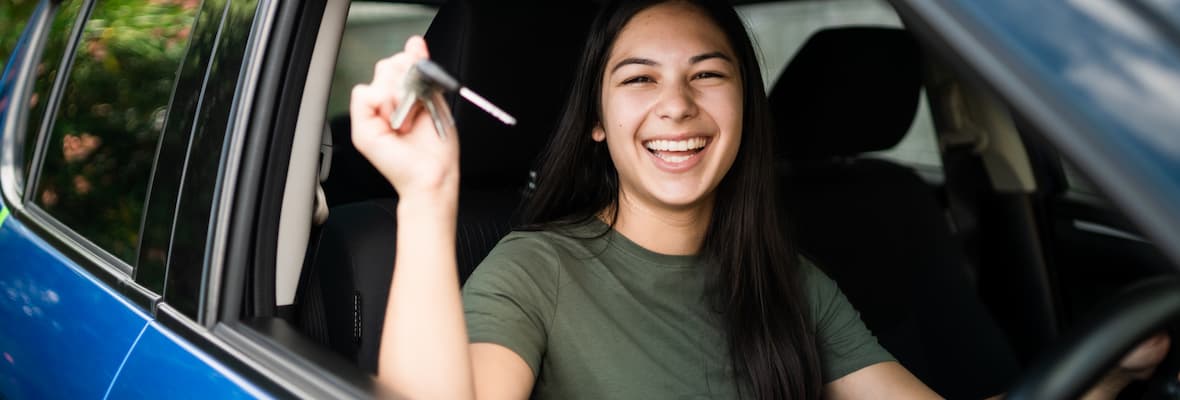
(487, 106)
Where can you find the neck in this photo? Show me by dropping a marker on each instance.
(664, 231)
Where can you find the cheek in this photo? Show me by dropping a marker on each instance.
(623, 114)
(725, 107)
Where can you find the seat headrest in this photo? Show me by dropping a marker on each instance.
(520, 55)
(847, 91)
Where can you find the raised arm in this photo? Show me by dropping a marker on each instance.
(424, 344)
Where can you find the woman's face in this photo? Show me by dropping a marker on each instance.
(672, 107)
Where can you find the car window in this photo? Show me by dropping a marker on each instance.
(780, 29)
(13, 17)
(98, 157)
(44, 75)
(360, 47)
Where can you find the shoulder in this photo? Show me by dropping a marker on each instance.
(815, 283)
(822, 294)
(534, 247)
(537, 256)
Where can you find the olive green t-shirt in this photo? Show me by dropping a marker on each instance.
(603, 318)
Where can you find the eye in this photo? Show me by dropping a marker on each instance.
(707, 74)
(638, 80)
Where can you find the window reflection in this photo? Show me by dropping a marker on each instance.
(46, 73)
(99, 158)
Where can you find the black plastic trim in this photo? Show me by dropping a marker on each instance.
(139, 295)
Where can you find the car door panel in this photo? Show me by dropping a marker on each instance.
(63, 332)
(163, 364)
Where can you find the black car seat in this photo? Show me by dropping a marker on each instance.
(521, 55)
(873, 225)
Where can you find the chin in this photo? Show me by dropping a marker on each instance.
(681, 199)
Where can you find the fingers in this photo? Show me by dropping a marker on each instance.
(388, 79)
(1142, 360)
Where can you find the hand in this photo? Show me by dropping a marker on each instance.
(414, 159)
(1138, 364)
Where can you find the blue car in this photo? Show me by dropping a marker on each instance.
(994, 184)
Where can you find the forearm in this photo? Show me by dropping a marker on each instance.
(424, 350)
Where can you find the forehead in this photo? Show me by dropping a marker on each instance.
(670, 30)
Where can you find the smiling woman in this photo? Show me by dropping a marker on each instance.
(654, 203)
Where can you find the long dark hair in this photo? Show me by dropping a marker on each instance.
(756, 285)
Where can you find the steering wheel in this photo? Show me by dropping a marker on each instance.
(1074, 364)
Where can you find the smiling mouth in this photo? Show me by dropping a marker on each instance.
(676, 151)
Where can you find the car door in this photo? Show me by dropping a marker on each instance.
(97, 117)
(65, 328)
(242, 97)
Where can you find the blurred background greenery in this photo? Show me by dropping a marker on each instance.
(13, 14)
(105, 129)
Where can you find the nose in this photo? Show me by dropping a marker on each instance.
(677, 103)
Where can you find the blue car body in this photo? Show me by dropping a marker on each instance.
(1104, 87)
(66, 333)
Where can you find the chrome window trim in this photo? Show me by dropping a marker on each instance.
(18, 112)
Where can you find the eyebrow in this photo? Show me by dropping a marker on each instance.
(692, 60)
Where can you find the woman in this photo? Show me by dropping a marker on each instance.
(655, 266)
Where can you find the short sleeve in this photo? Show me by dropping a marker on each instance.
(510, 298)
(845, 344)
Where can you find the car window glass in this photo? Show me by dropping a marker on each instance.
(13, 16)
(99, 156)
(780, 29)
(359, 48)
(58, 37)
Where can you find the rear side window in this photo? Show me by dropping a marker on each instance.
(58, 37)
(779, 29)
(103, 138)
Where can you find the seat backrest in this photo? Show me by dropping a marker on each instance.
(493, 48)
(873, 225)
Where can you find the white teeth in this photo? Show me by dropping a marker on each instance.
(675, 145)
(674, 159)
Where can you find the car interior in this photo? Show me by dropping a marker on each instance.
(964, 240)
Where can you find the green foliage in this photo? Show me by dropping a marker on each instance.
(13, 15)
(105, 133)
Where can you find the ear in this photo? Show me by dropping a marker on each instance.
(598, 134)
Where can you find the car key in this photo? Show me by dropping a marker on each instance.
(425, 82)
